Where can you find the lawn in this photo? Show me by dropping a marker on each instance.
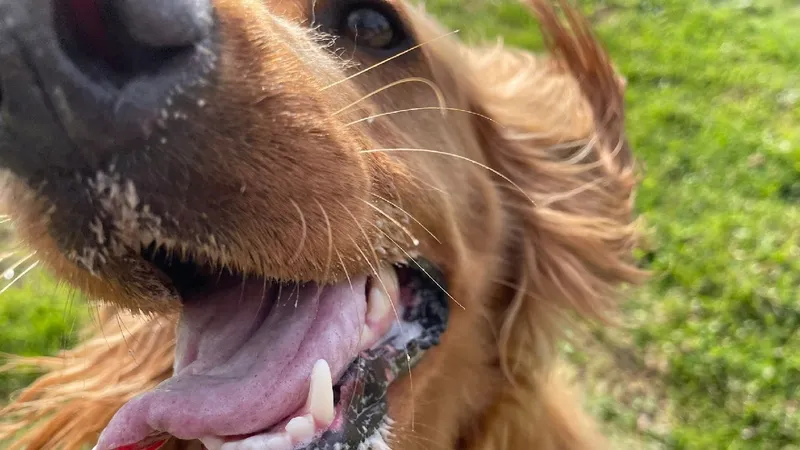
(708, 357)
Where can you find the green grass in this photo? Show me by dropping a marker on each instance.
(709, 358)
(39, 319)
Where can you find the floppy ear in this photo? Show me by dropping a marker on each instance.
(83, 388)
(559, 137)
(561, 140)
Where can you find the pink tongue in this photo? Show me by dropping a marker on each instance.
(243, 364)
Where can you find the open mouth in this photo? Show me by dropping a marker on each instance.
(262, 364)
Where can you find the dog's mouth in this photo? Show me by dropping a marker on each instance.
(283, 365)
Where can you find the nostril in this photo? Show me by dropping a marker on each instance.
(166, 23)
(129, 37)
(86, 21)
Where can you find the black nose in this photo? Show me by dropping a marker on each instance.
(131, 36)
(80, 77)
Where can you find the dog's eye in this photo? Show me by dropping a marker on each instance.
(370, 27)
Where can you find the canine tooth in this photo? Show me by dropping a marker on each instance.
(212, 442)
(384, 289)
(320, 394)
(301, 429)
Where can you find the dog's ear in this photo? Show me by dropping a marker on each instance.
(559, 136)
(557, 133)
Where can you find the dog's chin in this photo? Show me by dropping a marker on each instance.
(284, 365)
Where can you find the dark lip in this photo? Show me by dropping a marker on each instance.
(370, 375)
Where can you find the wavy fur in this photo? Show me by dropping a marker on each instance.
(557, 132)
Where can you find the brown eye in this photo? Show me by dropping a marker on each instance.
(367, 26)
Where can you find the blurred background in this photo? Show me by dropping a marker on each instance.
(709, 353)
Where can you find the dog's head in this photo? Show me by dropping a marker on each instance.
(328, 194)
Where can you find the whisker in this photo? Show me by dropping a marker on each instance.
(330, 241)
(19, 276)
(422, 269)
(5, 219)
(361, 72)
(396, 314)
(220, 273)
(70, 303)
(463, 158)
(352, 290)
(423, 108)
(263, 297)
(344, 269)
(375, 272)
(377, 261)
(429, 185)
(65, 314)
(19, 263)
(122, 334)
(410, 216)
(7, 255)
(330, 248)
(124, 339)
(363, 232)
(303, 236)
(438, 92)
(244, 285)
(260, 302)
(411, 388)
(98, 316)
(131, 334)
(391, 219)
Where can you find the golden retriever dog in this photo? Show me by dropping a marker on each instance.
(312, 224)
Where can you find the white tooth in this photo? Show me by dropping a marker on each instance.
(232, 445)
(383, 291)
(301, 429)
(266, 441)
(212, 442)
(320, 394)
(278, 442)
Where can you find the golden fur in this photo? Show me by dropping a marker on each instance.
(526, 208)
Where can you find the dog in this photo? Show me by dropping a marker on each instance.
(320, 225)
